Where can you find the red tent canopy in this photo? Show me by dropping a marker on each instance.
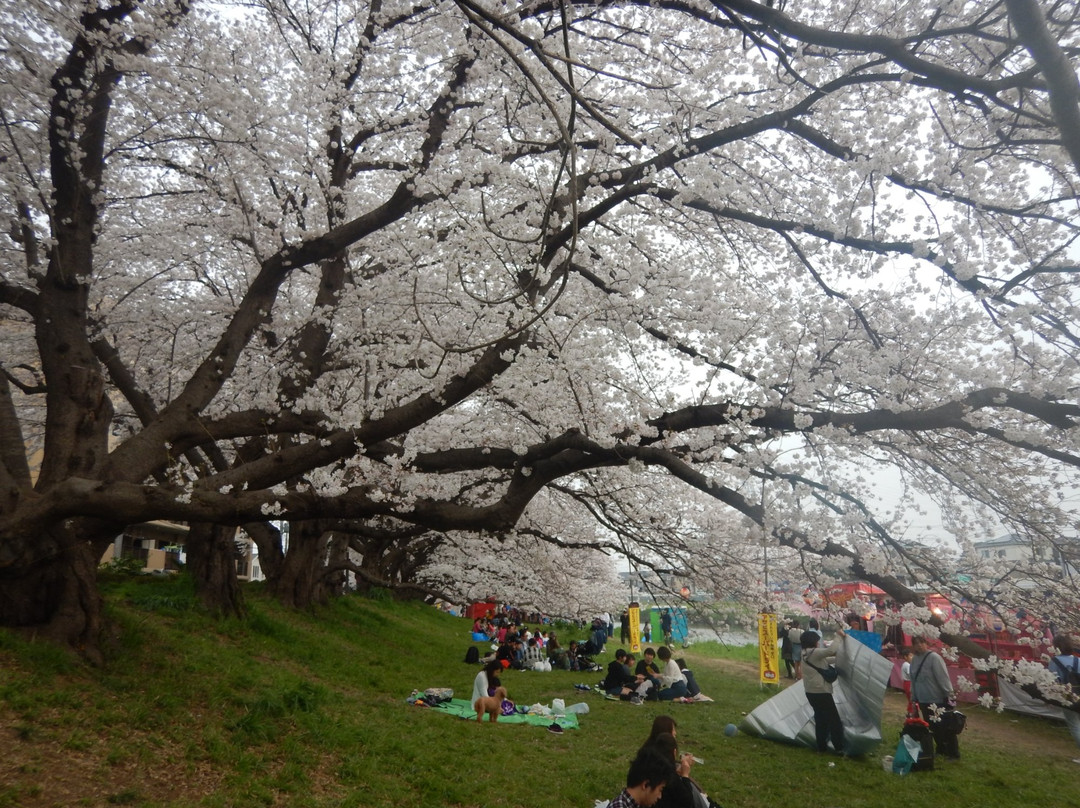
(840, 594)
(480, 608)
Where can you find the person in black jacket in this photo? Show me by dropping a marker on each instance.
(622, 683)
(785, 648)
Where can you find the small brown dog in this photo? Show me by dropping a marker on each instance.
(490, 705)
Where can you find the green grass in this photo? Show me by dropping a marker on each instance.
(308, 710)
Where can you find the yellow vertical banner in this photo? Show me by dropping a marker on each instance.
(635, 628)
(768, 653)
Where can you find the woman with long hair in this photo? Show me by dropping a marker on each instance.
(681, 791)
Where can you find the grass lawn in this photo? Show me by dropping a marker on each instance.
(308, 709)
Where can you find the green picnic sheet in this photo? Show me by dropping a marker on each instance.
(463, 709)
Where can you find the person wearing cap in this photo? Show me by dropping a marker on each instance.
(827, 723)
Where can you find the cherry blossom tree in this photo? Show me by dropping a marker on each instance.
(404, 273)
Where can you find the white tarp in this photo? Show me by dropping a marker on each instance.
(859, 694)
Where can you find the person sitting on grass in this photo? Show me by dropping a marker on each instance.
(556, 654)
(573, 655)
(648, 668)
(681, 791)
(622, 683)
(672, 682)
(693, 689)
(649, 772)
(533, 655)
(487, 680)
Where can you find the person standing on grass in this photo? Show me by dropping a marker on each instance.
(665, 626)
(932, 691)
(827, 723)
(795, 638)
(649, 773)
(905, 674)
(785, 649)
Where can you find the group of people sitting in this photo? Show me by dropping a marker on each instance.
(659, 775)
(522, 650)
(598, 637)
(636, 681)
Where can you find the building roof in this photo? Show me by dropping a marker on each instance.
(1008, 540)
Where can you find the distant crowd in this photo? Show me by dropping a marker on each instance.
(519, 648)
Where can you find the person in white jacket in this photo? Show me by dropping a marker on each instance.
(487, 680)
(672, 682)
(827, 723)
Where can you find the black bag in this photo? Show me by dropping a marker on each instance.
(472, 656)
(953, 721)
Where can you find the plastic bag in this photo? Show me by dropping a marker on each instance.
(907, 753)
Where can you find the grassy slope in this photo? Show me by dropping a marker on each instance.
(308, 710)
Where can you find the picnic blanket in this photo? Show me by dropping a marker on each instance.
(463, 709)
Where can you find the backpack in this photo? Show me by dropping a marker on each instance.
(472, 656)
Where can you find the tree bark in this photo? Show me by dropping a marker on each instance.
(211, 553)
(57, 598)
(268, 539)
(300, 582)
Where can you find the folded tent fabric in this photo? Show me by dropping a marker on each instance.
(859, 694)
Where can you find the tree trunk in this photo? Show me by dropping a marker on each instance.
(268, 539)
(57, 599)
(336, 576)
(300, 582)
(211, 552)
